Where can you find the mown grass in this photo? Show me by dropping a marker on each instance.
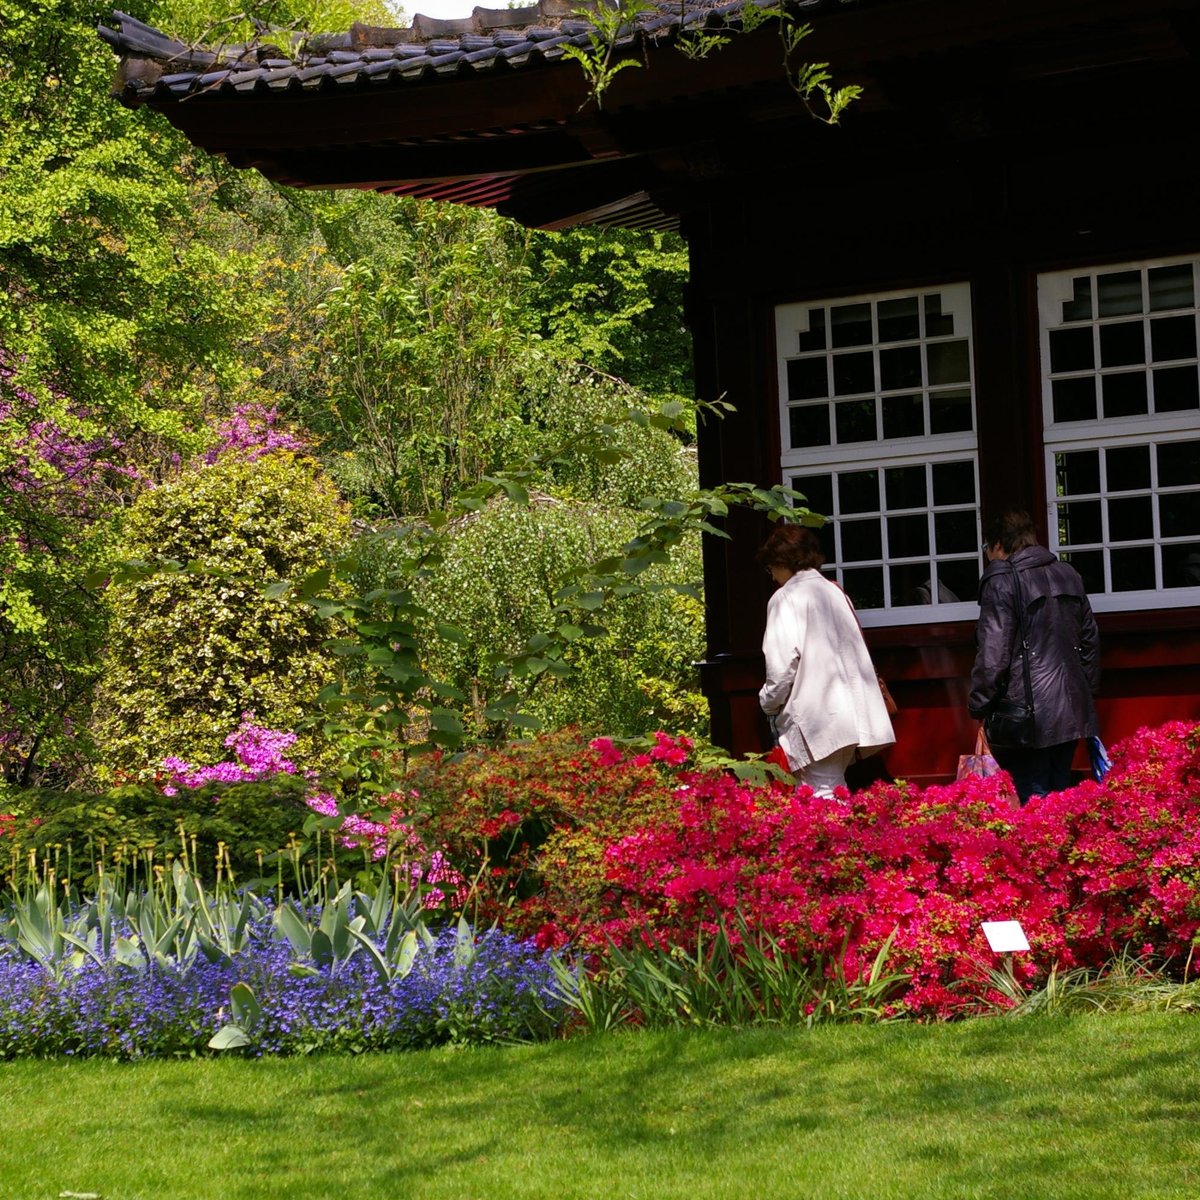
(1082, 1106)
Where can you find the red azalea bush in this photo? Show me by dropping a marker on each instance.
(529, 823)
(583, 842)
(1088, 872)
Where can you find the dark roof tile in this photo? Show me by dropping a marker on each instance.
(428, 48)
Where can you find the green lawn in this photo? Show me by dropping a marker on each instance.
(1070, 1107)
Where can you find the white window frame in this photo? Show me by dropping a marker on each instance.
(1148, 429)
(928, 449)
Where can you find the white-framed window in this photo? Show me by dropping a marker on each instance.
(877, 425)
(1121, 405)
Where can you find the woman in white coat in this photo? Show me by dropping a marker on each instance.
(821, 691)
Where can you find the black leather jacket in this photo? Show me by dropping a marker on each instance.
(1064, 645)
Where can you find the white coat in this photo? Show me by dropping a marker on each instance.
(821, 687)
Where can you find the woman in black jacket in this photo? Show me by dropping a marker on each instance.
(1063, 654)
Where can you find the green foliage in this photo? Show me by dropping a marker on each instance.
(104, 291)
(615, 36)
(190, 651)
(729, 976)
(120, 323)
(498, 583)
(424, 351)
(810, 80)
(613, 298)
(600, 60)
(241, 825)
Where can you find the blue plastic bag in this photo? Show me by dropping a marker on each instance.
(1099, 757)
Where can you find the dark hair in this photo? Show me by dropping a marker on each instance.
(795, 547)
(1013, 529)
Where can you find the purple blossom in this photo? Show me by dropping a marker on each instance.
(504, 992)
(253, 431)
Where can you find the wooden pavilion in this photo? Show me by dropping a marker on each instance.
(982, 288)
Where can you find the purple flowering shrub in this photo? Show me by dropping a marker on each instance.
(62, 475)
(259, 755)
(503, 992)
(251, 431)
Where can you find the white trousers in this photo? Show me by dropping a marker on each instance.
(827, 773)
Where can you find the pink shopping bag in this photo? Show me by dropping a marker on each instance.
(980, 763)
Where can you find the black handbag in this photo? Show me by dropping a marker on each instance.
(1011, 723)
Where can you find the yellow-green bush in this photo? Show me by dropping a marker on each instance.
(189, 653)
(497, 583)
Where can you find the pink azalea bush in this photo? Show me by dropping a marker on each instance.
(259, 754)
(1088, 872)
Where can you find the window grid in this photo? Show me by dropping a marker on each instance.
(878, 432)
(1121, 397)
(862, 372)
(926, 549)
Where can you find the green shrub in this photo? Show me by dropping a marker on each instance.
(497, 583)
(189, 653)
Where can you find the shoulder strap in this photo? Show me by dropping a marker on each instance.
(1019, 599)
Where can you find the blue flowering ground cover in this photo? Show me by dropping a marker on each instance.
(502, 990)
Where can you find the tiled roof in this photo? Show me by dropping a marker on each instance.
(157, 68)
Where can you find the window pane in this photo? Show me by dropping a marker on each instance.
(853, 373)
(1122, 345)
(1173, 337)
(1120, 292)
(1125, 394)
(1171, 287)
(1181, 565)
(1077, 472)
(905, 487)
(899, 320)
(1090, 565)
(1079, 522)
(817, 491)
(809, 426)
(1179, 514)
(937, 323)
(911, 583)
(864, 585)
(1074, 399)
(955, 532)
(1176, 390)
(1072, 350)
(1131, 520)
(1080, 307)
(859, 403)
(903, 416)
(1128, 468)
(950, 412)
(908, 536)
(948, 362)
(1179, 464)
(856, 421)
(900, 368)
(814, 339)
(851, 325)
(861, 540)
(808, 378)
(954, 483)
(1133, 569)
(958, 580)
(858, 491)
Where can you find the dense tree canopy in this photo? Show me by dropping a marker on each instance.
(147, 291)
